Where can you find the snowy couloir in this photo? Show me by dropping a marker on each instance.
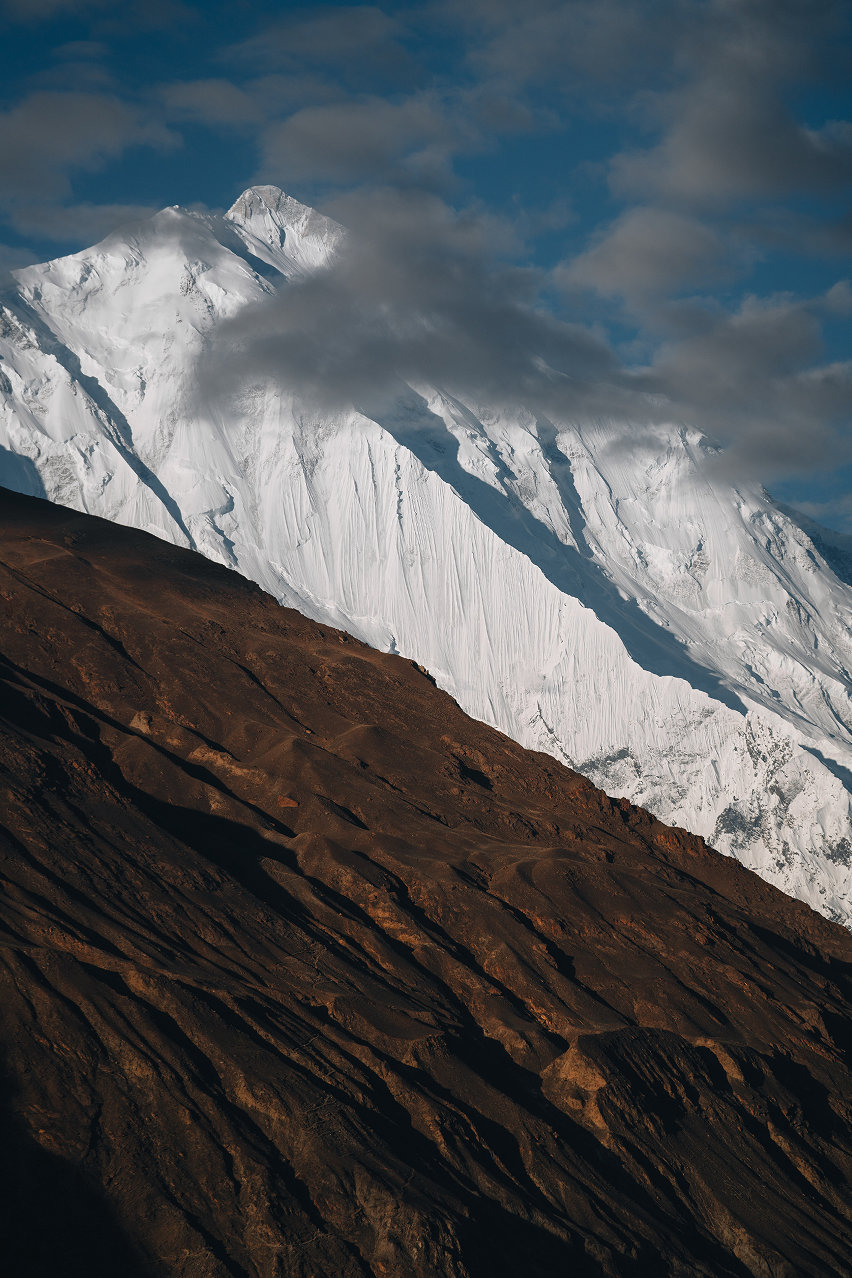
(680, 639)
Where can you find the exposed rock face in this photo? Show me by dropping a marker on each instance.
(305, 973)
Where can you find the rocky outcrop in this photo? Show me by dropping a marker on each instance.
(303, 972)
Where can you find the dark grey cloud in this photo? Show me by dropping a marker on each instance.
(728, 132)
(647, 253)
(48, 136)
(415, 295)
(80, 220)
(280, 94)
(573, 43)
(718, 186)
(255, 103)
(78, 49)
(11, 258)
(786, 229)
(214, 101)
(79, 66)
(359, 42)
(346, 90)
(834, 512)
(420, 295)
(712, 81)
(354, 141)
(730, 138)
(754, 380)
(74, 77)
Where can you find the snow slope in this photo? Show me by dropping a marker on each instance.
(680, 639)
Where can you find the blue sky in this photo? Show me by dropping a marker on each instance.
(670, 179)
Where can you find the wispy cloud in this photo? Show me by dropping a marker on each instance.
(420, 294)
(415, 294)
(755, 380)
(358, 41)
(350, 143)
(48, 134)
(214, 102)
(647, 253)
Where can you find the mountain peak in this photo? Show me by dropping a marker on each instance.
(260, 201)
(270, 217)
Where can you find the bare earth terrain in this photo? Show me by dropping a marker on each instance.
(303, 972)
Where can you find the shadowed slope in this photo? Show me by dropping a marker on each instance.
(302, 972)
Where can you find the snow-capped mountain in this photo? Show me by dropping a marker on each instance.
(681, 639)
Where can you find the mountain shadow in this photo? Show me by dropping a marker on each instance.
(20, 474)
(55, 1221)
(574, 572)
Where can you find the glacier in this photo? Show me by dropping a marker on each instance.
(676, 636)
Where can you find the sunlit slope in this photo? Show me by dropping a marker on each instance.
(615, 601)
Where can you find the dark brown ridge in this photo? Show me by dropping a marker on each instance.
(303, 972)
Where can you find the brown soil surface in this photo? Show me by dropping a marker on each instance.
(303, 972)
